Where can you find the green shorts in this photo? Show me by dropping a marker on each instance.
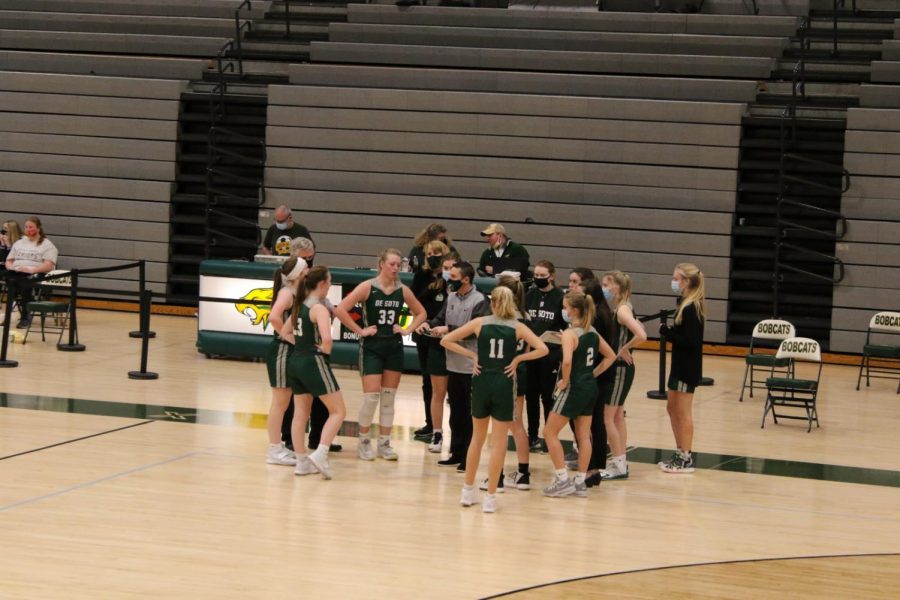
(311, 374)
(621, 385)
(521, 378)
(436, 364)
(276, 363)
(493, 395)
(577, 400)
(377, 355)
(679, 386)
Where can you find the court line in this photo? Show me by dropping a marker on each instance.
(704, 460)
(95, 482)
(682, 566)
(86, 437)
(704, 500)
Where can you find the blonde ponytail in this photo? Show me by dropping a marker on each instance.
(694, 294)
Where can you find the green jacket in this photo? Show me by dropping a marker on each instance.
(515, 258)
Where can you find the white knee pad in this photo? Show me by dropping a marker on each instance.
(367, 410)
(386, 414)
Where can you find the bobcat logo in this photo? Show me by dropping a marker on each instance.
(257, 313)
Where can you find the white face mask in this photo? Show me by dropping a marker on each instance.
(565, 316)
(675, 287)
(282, 226)
(446, 275)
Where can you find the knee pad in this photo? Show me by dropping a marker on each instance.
(367, 410)
(386, 413)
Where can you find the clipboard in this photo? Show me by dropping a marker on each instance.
(551, 337)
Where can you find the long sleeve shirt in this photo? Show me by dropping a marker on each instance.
(687, 346)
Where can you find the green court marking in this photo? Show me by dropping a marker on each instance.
(202, 416)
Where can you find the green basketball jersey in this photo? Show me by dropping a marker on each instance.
(306, 333)
(383, 310)
(584, 355)
(625, 334)
(496, 343)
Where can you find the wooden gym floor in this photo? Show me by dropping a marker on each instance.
(116, 488)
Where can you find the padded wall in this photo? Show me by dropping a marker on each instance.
(94, 158)
(871, 249)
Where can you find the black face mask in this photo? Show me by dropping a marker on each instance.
(541, 282)
(434, 262)
(454, 284)
(309, 261)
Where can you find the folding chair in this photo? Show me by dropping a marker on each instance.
(793, 392)
(44, 307)
(886, 357)
(766, 334)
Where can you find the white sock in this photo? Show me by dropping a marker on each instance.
(468, 488)
(620, 460)
(562, 474)
(438, 430)
(579, 477)
(384, 440)
(322, 450)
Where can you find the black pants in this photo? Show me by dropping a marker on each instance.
(423, 345)
(317, 417)
(459, 392)
(598, 427)
(539, 390)
(21, 288)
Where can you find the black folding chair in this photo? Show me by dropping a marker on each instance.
(883, 359)
(794, 392)
(766, 334)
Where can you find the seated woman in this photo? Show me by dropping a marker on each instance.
(31, 255)
(10, 233)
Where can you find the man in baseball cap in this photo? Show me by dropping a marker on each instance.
(503, 254)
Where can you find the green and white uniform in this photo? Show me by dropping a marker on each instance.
(493, 393)
(384, 350)
(309, 371)
(277, 358)
(624, 373)
(579, 398)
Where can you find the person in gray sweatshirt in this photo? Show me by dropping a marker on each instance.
(463, 304)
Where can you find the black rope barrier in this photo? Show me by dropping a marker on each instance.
(7, 318)
(142, 288)
(663, 315)
(15, 282)
(73, 345)
(146, 297)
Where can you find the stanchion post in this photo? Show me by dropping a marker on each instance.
(7, 318)
(72, 345)
(145, 339)
(660, 393)
(142, 287)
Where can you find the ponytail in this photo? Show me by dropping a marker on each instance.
(503, 305)
(584, 304)
(694, 294)
(305, 284)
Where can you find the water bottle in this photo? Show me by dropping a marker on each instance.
(404, 265)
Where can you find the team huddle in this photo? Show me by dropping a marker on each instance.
(495, 360)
